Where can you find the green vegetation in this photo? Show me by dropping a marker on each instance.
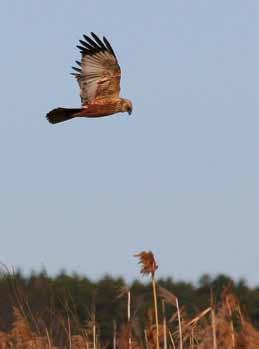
(80, 297)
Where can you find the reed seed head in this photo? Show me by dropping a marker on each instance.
(148, 263)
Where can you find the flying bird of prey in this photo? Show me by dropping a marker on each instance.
(98, 75)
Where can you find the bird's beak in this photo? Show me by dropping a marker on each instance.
(130, 111)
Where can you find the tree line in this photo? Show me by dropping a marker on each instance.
(84, 301)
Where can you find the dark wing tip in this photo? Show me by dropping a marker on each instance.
(77, 69)
(81, 48)
(90, 46)
(91, 42)
(98, 40)
(86, 46)
(108, 46)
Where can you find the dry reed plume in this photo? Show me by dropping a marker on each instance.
(149, 266)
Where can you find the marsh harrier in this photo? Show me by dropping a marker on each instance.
(98, 75)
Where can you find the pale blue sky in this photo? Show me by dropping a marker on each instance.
(179, 177)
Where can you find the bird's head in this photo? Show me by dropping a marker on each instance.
(127, 106)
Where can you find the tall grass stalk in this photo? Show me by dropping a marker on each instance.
(94, 335)
(149, 266)
(48, 338)
(129, 318)
(213, 325)
(192, 339)
(146, 339)
(69, 333)
(231, 325)
(171, 339)
(179, 323)
(156, 309)
(213, 320)
(164, 325)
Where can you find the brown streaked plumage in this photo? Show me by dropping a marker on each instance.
(98, 75)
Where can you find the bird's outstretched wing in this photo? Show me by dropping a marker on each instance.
(98, 73)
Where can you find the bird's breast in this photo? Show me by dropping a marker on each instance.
(100, 109)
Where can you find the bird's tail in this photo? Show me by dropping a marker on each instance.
(62, 114)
